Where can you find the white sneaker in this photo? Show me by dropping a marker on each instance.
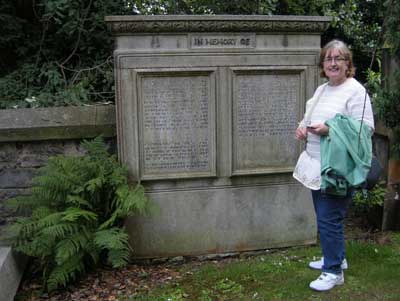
(326, 281)
(317, 265)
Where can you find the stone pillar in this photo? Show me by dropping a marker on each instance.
(207, 107)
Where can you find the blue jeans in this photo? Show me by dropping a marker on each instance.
(331, 211)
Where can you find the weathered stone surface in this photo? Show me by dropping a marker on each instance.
(206, 111)
(229, 219)
(16, 178)
(57, 123)
(253, 23)
(10, 193)
(11, 270)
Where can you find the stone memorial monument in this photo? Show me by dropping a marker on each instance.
(207, 107)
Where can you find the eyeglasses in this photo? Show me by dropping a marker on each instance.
(337, 59)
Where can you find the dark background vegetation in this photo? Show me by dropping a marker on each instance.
(59, 52)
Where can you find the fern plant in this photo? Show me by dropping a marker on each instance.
(77, 210)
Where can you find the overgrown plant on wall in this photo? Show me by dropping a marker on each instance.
(76, 215)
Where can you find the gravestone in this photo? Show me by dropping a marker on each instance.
(207, 107)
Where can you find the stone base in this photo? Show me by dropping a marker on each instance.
(11, 270)
(223, 220)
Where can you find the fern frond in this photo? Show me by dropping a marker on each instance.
(42, 245)
(26, 237)
(92, 251)
(119, 176)
(50, 220)
(20, 235)
(113, 238)
(42, 196)
(20, 204)
(53, 178)
(95, 184)
(115, 241)
(127, 202)
(130, 201)
(25, 247)
(61, 275)
(112, 220)
(71, 246)
(61, 230)
(78, 201)
(118, 258)
(73, 214)
(24, 227)
(138, 200)
(96, 147)
(37, 245)
(41, 212)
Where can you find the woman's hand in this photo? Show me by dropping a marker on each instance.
(319, 129)
(301, 133)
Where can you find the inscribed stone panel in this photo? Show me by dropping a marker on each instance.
(177, 124)
(265, 114)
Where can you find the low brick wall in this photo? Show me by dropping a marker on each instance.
(28, 137)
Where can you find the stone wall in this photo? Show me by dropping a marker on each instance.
(28, 137)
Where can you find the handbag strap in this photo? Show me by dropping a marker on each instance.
(307, 118)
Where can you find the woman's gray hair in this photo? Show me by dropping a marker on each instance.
(344, 50)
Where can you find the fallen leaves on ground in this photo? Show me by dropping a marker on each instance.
(107, 284)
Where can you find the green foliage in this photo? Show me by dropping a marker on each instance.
(387, 99)
(234, 7)
(359, 23)
(58, 52)
(11, 34)
(392, 33)
(78, 206)
(64, 56)
(364, 201)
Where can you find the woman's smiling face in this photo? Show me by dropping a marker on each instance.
(335, 66)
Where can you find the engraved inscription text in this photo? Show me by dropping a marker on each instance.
(266, 105)
(175, 124)
(223, 41)
(264, 121)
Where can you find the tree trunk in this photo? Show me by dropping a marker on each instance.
(391, 213)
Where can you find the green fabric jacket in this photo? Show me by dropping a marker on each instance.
(345, 162)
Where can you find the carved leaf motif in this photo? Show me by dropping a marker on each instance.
(143, 26)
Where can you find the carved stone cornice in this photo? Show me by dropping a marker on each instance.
(220, 23)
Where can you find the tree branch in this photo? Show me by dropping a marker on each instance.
(79, 35)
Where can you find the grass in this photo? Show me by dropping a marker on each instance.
(373, 274)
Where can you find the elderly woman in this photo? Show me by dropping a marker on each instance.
(342, 94)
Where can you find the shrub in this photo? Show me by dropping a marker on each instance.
(368, 205)
(364, 201)
(77, 210)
